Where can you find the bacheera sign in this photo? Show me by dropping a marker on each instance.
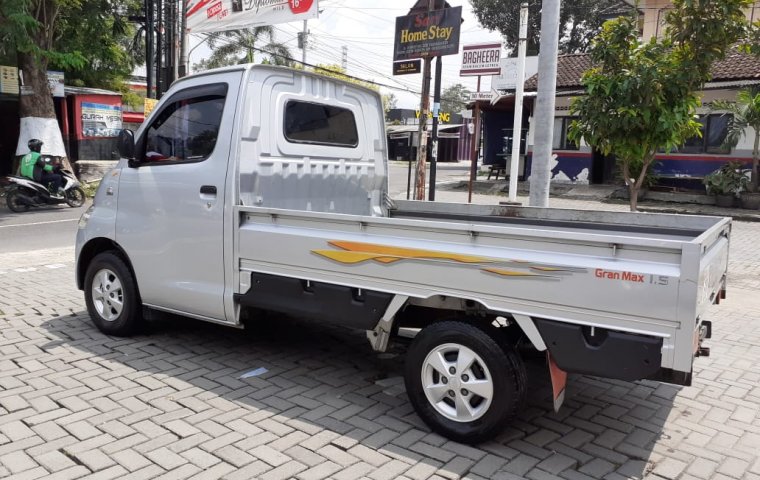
(481, 59)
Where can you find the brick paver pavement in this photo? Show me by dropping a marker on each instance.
(170, 404)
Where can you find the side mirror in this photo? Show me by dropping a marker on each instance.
(126, 144)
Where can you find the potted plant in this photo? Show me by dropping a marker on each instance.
(746, 116)
(726, 183)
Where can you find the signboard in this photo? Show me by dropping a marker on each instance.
(407, 67)
(100, 120)
(218, 15)
(508, 78)
(8, 80)
(55, 82)
(427, 34)
(480, 96)
(481, 59)
(443, 117)
(148, 105)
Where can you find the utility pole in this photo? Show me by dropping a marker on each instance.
(177, 37)
(547, 86)
(149, 54)
(159, 48)
(304, 42)
(344, 59)
(419, 184)
(520, 87)
(184, 68)
(474, 145)
(170, 60)
(436, 112)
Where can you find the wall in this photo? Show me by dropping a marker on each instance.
(576, 166)
(655, 11)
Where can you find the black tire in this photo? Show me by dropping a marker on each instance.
(501, 364)
(75, 197)
(14, 202)
(107, 269)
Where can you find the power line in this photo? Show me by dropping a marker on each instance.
(327, 70)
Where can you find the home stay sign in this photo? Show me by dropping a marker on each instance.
(219, 15)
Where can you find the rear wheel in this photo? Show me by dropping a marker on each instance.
(15, 201)
(75, 197)
(111, 295)
(462, 382)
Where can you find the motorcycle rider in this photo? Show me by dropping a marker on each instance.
(35, 168)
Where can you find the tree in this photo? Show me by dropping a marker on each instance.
(100, 32)
(65, 35)
(241, 46)
(389, 103)
(454, 98)
(641, 98)
(28, 29)
(746, 114)
(581, 21)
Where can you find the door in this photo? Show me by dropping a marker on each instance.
(171, 206)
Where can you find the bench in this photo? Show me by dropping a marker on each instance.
(498, 170)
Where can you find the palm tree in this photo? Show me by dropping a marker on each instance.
(746, 112)
(240, 46)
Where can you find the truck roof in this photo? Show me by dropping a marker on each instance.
(250, 66)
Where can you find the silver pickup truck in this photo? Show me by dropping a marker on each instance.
(257, 188)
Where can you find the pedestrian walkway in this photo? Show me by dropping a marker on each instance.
(586, 197)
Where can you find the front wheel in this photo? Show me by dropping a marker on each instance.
(462, 382)
(111, 295)
(16, 202)
(75, 197)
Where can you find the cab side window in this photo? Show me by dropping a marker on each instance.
(320, 124)
(186, 129)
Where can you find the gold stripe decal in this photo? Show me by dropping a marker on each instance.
(388, 254)
(511, 273)
(354, 253)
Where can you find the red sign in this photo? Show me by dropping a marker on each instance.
(300, 6)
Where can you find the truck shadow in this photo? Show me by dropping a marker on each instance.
(322, 379)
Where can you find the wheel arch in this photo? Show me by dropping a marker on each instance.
(94, 247)
(440, 307)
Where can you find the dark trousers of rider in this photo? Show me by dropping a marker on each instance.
(53, 179)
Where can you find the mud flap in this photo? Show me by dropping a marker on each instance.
(559, 381)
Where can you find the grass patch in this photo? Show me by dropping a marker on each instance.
(90, 188)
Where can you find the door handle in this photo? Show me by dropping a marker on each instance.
(208, 189)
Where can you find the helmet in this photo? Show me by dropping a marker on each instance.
(35, 145)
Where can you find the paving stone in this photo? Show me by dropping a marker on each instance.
(319, 408)
(199, 458)
(17, 462)
(557, 463)
(597, 468)
(318, 472)
(287, 470)
(456, 467)
(733, 467)
(669, 468)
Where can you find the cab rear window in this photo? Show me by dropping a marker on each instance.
(320, 124)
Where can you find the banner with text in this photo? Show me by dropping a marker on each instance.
(100, 120)
(428, 34)
(219, 15)
(481, 59)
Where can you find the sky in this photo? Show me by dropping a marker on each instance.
(367, 29)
